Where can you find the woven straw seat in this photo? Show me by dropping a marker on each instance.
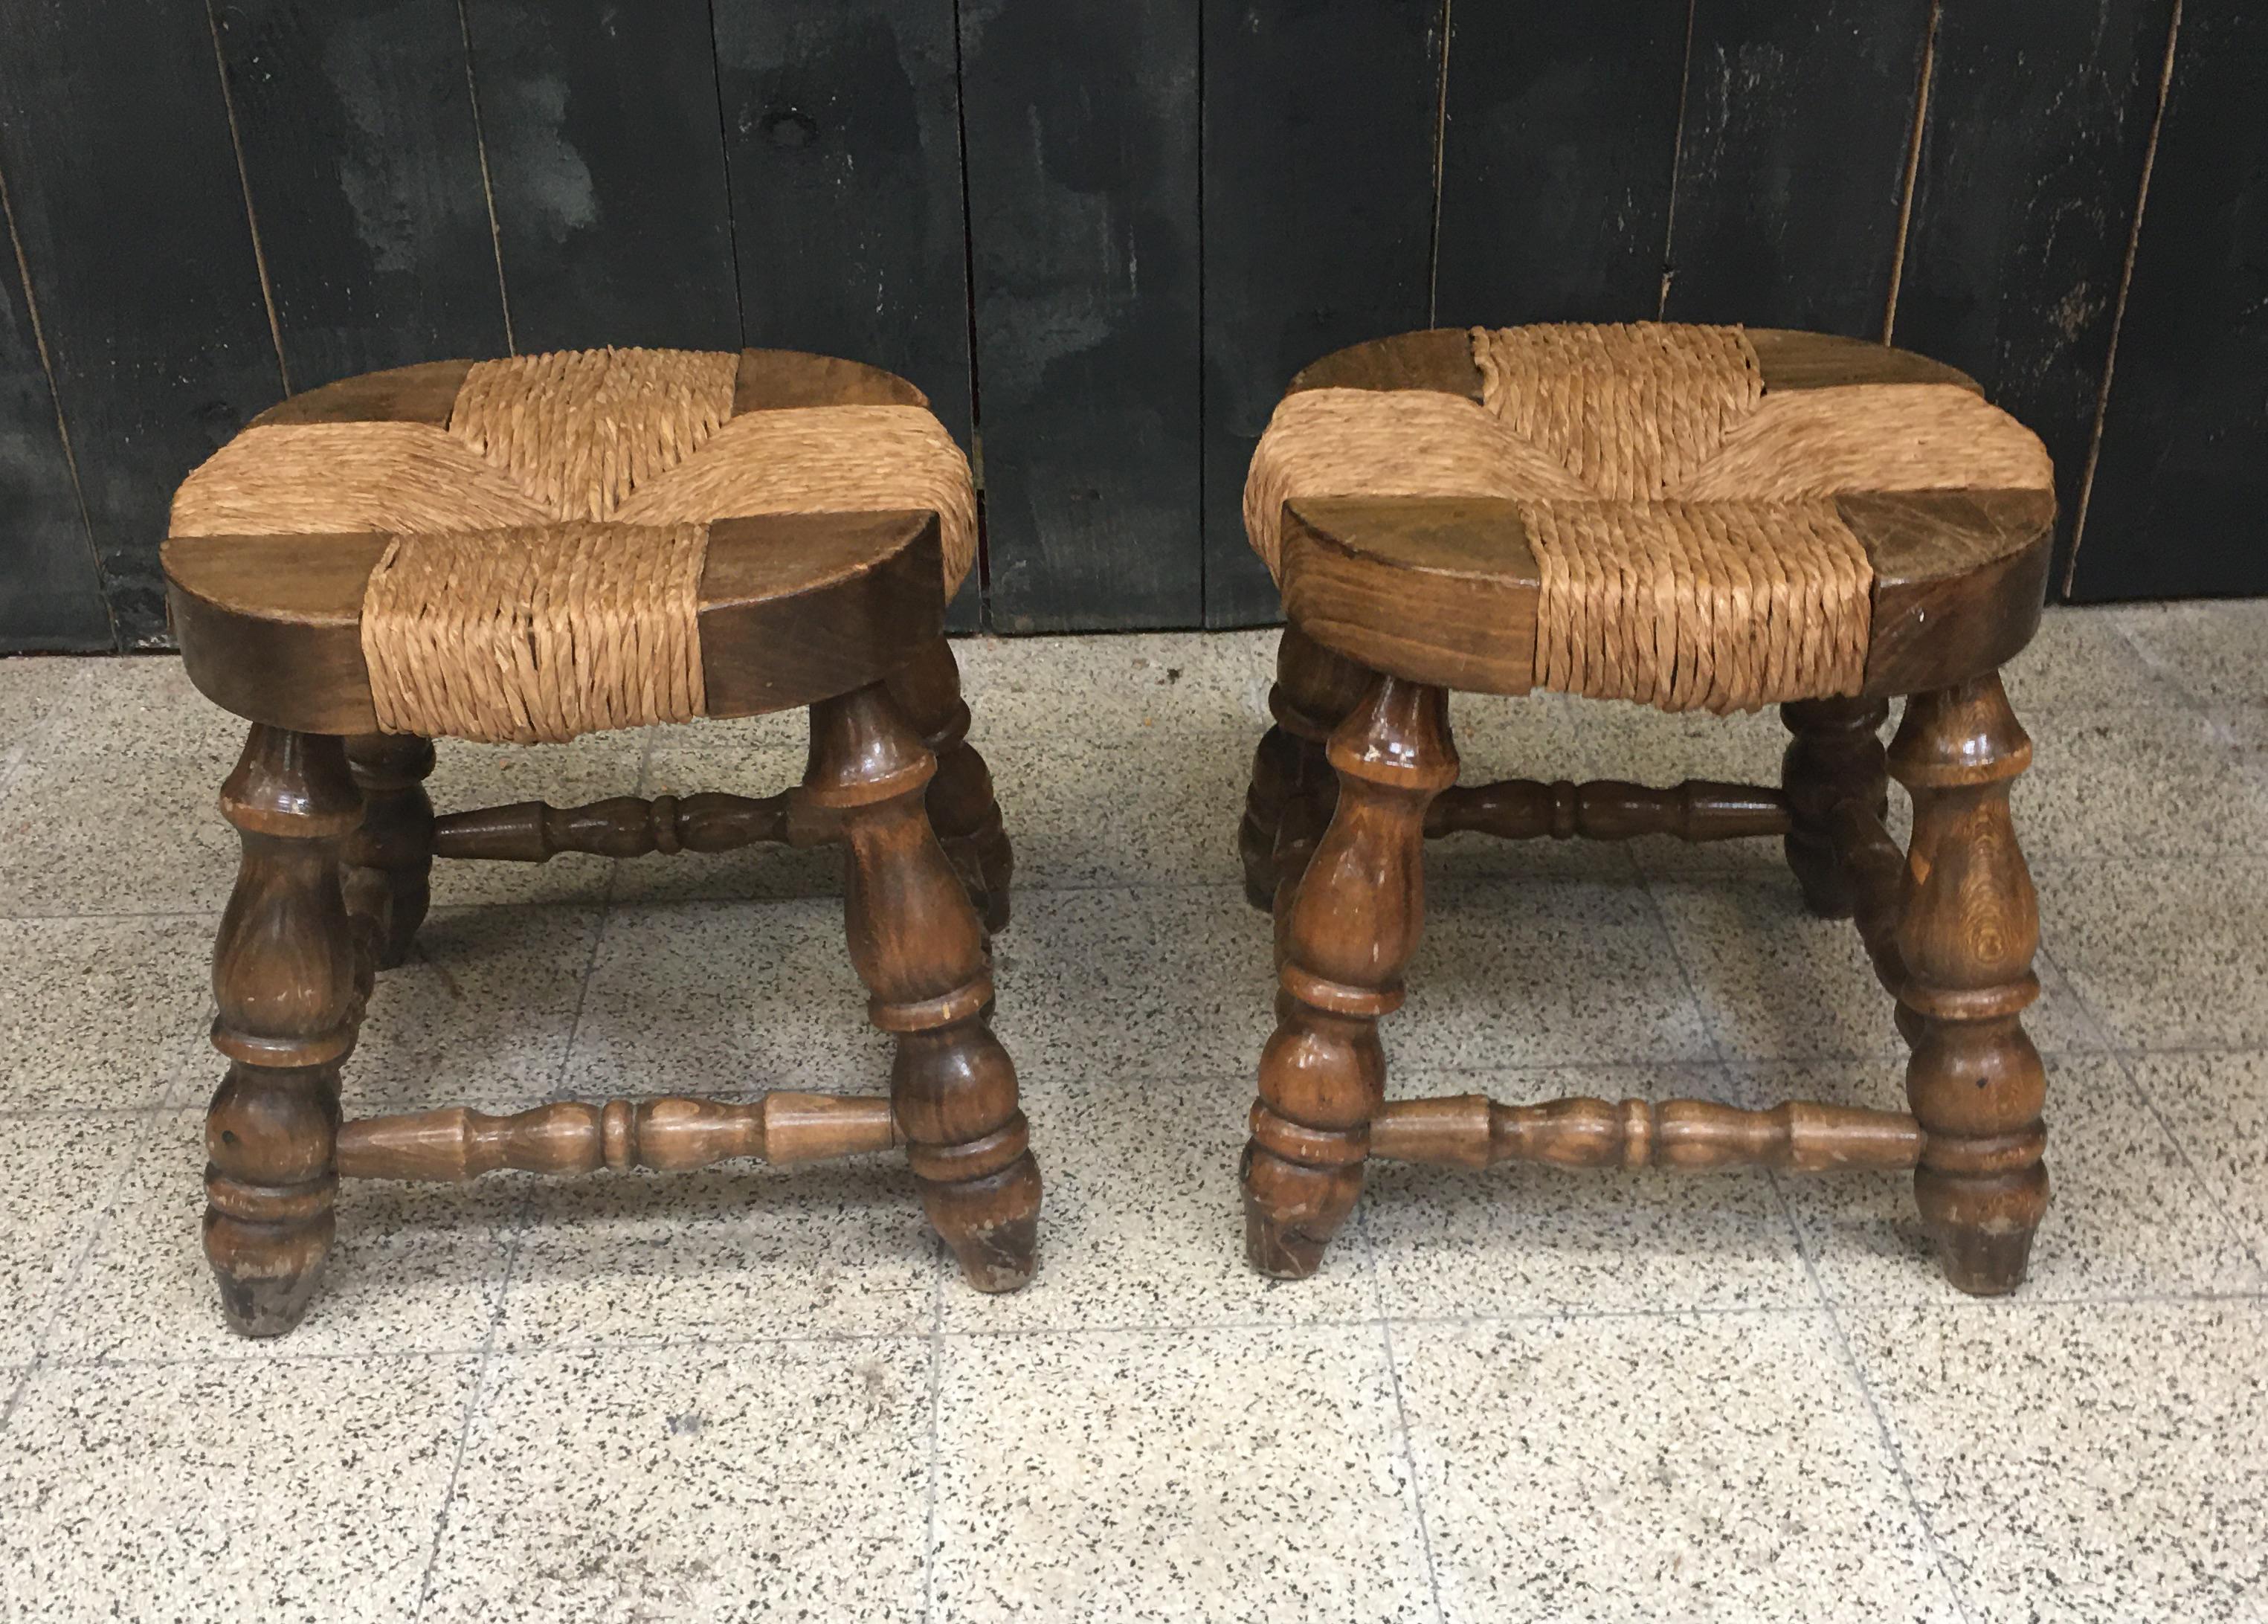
(535, 547)
(1691, 518)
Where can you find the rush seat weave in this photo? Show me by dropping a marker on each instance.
(548, 530)
(1682, 516)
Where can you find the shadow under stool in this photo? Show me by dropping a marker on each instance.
(1694, 518)
(529, 549)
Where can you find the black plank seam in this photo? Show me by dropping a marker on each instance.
(724, 152)
(1676, 169)
(487, 187)
(1914, 170)
(969, 301)
(2119, 313)
(1441, 163)
(55, 399)
(251, 215)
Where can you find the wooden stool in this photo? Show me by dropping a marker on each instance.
(793, 526)
(1394, 598)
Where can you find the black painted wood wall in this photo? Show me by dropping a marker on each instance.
(1101, 233)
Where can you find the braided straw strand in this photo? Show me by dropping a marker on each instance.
(823, 459)
(1689, 549)
(536, 635)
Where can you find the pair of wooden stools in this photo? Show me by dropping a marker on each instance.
(532, 549)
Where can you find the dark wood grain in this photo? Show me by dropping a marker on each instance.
(2177, 506)
(50, 591)
(1319, 122)
(115, 143)
(1559, 142)
(2031, 162)
(793, 607)
(606, 157)
(842, 148)
(1799, 122)
(1348, 933)
(1082, 129)
(356, 119)
(918, 945)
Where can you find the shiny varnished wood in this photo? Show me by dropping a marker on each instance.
(1292, 790)
(919, 945)
(1700, 809)
(1967, 925)
(1686, 1136)
(1350, 929)
(962, 808)
(626, 826)
(1444, 590)
(576, 1137)
(1835, 754)
(289, 982)
(389, 859)
(793, 607)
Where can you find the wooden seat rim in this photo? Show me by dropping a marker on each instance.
(794, 608)
(1960, 576)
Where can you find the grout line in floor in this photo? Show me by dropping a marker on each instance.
(2206, 1184)
(476, 1393)
(1400, 1414)
(1821, 1296)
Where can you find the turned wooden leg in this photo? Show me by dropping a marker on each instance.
(1835, 755)
(919, 947)
(962, 808)
(390, 858)
(1967, 929)
(1352, 925)
(286, 977)
(1315, 690)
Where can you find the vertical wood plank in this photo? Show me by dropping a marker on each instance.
(2176, 509)
(50, 594)
(1558, 145)
(356, 121)
(607, 158)
(1319, 120)
(1791, 173)
(2031, 161)
(115, 141)
(1083, 176)
(844, 146)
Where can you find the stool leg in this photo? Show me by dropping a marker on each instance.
(1351, 928)
(1969, 924)
(919, 947)
(962, 805)
(390, 858)
(1313, 691)
(1835, 755)
(287, 980)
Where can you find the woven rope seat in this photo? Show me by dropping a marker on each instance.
(1691, 518)
(532, 549)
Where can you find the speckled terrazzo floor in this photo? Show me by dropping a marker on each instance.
(1524, 1395)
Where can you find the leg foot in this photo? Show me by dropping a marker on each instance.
(287, 977)
(1968, 925)
(1351, 923)
(1835, 755)
(918, 945)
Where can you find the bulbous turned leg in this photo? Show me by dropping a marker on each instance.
(1835, 755)
(962, 808)
(390, 858)
(287, 980)
(1968, 927)
(1315, 690)
(1349, 932)
(919, 947)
